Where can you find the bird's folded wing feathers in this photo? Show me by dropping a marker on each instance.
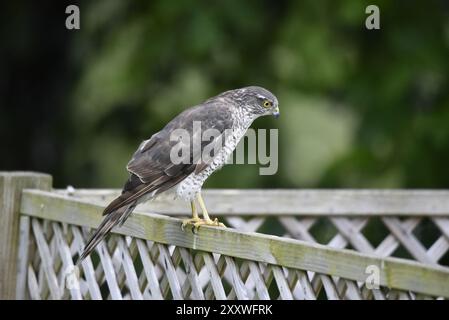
(151, 167)
(152, 159)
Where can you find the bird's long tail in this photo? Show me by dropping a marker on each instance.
(113, 218)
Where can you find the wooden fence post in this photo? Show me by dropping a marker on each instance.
(11, 185)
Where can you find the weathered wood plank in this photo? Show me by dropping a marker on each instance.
(394, 273)
(22, 264)
(295, 202)
(11, 186)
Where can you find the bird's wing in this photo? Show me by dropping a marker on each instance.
(152, 168)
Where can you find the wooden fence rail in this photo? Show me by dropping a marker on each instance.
(151, 257)
(304, 202)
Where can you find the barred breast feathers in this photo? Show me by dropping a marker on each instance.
(189, 187)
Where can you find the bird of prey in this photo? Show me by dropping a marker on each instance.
(153, 171)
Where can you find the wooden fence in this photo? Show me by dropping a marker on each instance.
(329, 244)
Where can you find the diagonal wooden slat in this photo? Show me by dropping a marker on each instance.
(282, 284)
(149, 269)
(296, 229)
(237, 283)
(305, 286)
(355, 238)
(87, 265)
(251, 225)
(214, 277)
(64, 252)
(352, 291)
(438, 248)
(329, 287)
(261, 288)
(244, 274)
(407, 239)
(192, 275)
(46, 259)
(33, 286)
(129, 271)
(390, 243)
(170, 272)
(109, 271)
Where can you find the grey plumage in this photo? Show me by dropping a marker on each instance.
(152, 170)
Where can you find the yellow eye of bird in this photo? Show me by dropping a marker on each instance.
(267, 104)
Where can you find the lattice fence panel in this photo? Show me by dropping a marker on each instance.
(130, 268)
(424, 239)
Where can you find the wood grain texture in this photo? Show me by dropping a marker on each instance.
(22, 262)
(294, 202)
(11, 186)
(394, 273)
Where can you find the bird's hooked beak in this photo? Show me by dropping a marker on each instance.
(276, 112)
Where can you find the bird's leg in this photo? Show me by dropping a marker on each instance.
(195, 218)
(207, 220)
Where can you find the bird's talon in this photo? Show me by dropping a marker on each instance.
(189, 221)
(197, 223)
(218, 223)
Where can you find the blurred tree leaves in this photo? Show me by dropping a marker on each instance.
(359, 108)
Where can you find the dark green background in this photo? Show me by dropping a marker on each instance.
(359, 108)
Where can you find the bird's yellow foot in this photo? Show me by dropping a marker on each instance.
(190, 221)
(197, 223)
(207, 222)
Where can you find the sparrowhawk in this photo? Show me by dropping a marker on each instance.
(153, 171)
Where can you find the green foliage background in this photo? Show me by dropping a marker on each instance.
(359, 108)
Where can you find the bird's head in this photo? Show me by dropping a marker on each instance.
(257, 100)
